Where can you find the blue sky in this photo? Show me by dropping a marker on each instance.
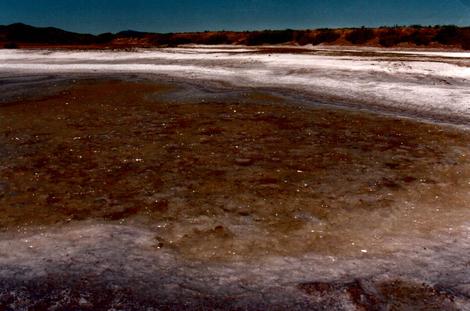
(96, 16)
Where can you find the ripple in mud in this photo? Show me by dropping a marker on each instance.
(225, 181)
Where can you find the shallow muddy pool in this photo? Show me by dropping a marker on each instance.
(230, 180)
(179, 195)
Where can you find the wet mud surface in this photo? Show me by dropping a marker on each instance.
(221, 182)
(82, 294)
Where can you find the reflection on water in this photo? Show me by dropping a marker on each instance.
(218, 180)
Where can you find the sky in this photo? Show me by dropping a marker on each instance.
(97, 16)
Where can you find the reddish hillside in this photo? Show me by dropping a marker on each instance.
(24, 36)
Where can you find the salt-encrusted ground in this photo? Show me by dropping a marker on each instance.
(212, 179)
(433, 83)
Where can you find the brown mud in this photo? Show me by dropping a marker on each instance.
(229, 181)
(131, 195)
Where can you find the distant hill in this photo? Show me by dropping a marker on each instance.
(131, 34)
(20, 35)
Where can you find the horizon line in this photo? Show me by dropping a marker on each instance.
(246, 30)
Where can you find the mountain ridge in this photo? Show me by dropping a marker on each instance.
(20, 35)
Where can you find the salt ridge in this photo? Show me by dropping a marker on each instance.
(421, 82)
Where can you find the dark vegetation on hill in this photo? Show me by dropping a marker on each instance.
(50, 35)
(21, 35)
(360, 36)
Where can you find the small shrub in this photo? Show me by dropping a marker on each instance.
(304, 37)
(390, 37)
(325, 36)
(420, 37)
(465, 39)
(360, 35)
(269, 37)
(171, 40)
(448, 35)
(217, 38)
(10, 45)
